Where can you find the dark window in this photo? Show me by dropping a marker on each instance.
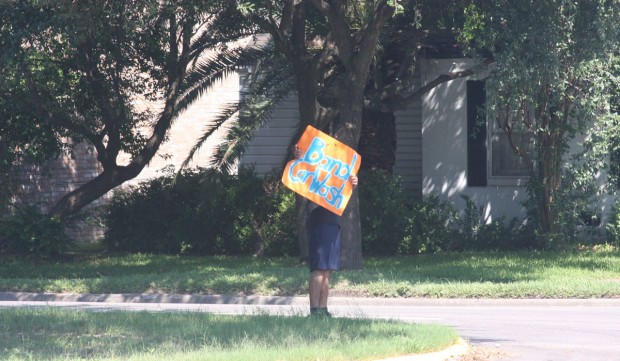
(476, 134)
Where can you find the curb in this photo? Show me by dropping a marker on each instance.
(297, 300)
(460, 348)
(151, 298)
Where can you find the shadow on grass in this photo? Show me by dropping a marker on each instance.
(247, 276)
(49, 334)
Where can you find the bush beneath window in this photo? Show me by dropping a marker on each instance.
(394, 221)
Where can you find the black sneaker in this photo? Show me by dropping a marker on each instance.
(320, 312)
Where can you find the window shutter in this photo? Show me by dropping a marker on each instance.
(476, 134)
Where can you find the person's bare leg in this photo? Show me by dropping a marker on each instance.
(316, 285)
(324, 289)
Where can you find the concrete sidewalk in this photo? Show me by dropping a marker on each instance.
(301, 301)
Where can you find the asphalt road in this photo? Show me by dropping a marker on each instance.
(520, 330)
(527, 330)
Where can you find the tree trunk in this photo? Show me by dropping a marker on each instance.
(351, 236)
(74, 201)
(348, 131)
(302, 238)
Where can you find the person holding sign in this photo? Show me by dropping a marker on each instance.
(323, 235)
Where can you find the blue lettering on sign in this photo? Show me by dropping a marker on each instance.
(325, 167)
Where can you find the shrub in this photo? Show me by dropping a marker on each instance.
(395, 222)
(477, 234)
(140, 218)
(202, 212)
(27, 232)
(613, 227)
(276, 227)
(430, 227)
(383, 212)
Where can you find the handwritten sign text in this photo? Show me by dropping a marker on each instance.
(321, 174)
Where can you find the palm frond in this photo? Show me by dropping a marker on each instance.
(230, 111)
(212, 69)
(253, 110)
(225, 27)
(254, 116)
(271, 81)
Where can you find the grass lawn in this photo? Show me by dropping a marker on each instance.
(583, 274)
(60, 334)
(57, 334)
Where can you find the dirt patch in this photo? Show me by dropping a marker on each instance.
(482, 354)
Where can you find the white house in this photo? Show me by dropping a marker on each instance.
(442, 147)
(436, 150)
(432, 145)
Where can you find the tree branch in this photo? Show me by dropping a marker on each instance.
(321, 5)
(367, 37)
(403, 102)
(94, 77)
(177, 71)
(288, 12)
(340, 31)
(42, 110)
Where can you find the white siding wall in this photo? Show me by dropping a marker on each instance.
(268, 149)
(444, 145)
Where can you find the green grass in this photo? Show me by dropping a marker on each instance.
(583, 274)
(57, 334)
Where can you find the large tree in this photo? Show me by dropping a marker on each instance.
(330, 54)
(79, 69)
(391, 83)
(425, 28)
(552, 63)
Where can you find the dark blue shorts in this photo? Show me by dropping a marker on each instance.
(323, 231)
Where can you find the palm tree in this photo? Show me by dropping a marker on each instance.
(270, 80)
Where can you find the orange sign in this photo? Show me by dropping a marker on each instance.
(322, 172)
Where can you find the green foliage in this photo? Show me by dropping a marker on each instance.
(27, 232)
(398, 7)
(612, 227)
(394, 222)
(577, 205)
(95, 71)
(205, 212)
(477, 233)
(383, 213)
(202, 212)
(431, 227)
(552, 78)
